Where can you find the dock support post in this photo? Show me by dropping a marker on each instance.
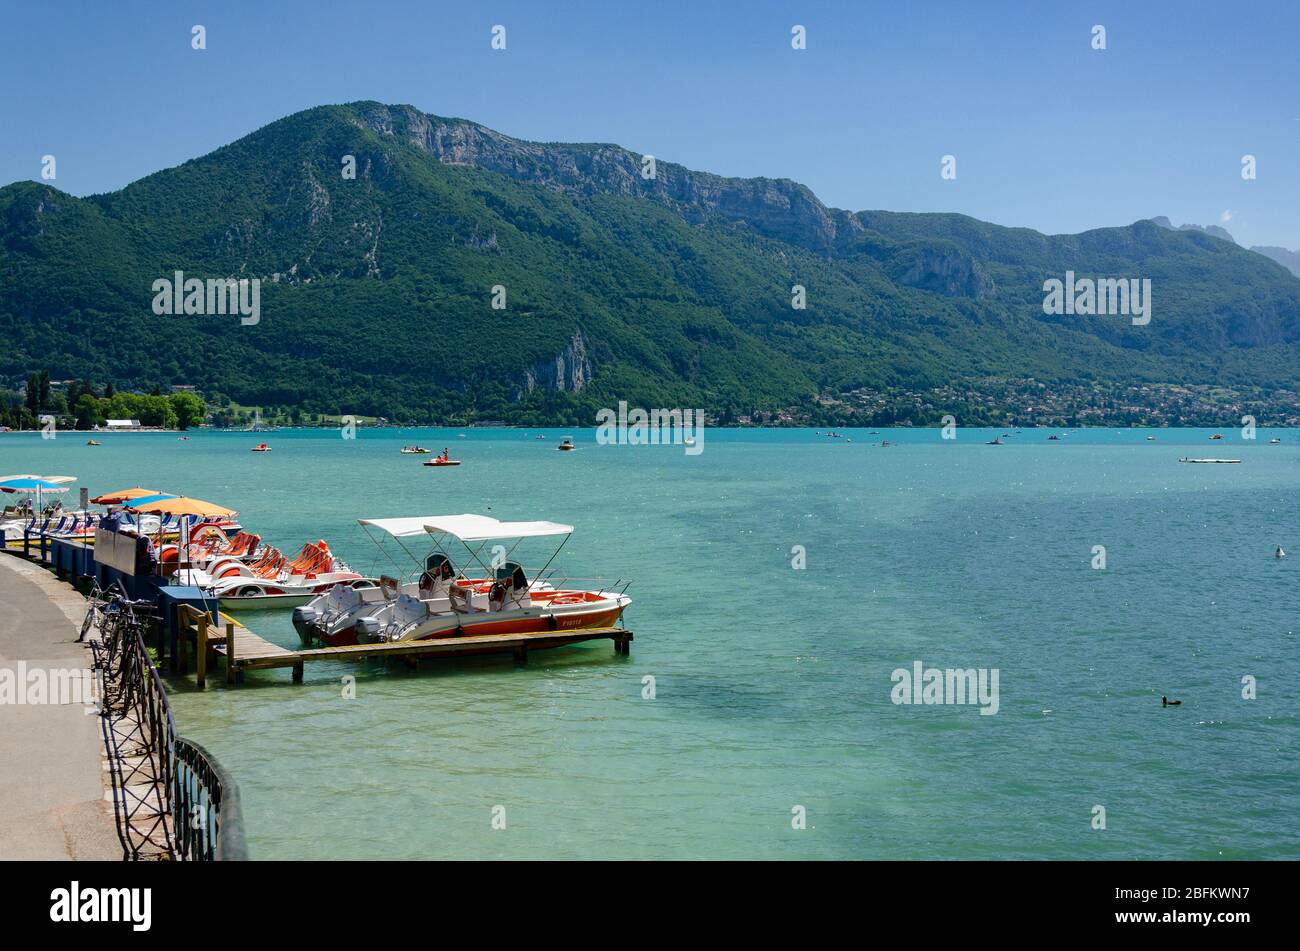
(297, 672)
(521, 654)
(181, 643)
(230, 654)
(201, 653)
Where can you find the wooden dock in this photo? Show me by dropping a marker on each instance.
(240, 649)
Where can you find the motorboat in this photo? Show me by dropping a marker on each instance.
(1275, 441)
(414, 451)
(261, 447)
(566, 445)
(441, 601)
(1221, 461)
(92, 442)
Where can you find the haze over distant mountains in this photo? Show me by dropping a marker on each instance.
(671, 290)
(1284, 256)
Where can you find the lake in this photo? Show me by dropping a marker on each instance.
(773, 686)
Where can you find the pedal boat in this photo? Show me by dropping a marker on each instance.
(271, 580)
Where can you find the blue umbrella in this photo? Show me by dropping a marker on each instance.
(39, 486)
(32, 485)
(146, 499)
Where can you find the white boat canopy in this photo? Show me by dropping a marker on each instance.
(467, 527)
(479, 528)
(399, 527)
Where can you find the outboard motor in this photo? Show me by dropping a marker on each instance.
(306, 621)
(369, 630)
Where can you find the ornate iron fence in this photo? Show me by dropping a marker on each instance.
(171, 799)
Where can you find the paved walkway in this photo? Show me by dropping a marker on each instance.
(52, 781)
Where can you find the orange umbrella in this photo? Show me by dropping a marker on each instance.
(182, 505)
(122, 495)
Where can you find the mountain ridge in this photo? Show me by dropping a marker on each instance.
(672, 290)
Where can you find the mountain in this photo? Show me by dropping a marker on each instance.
(1287, 258)
(1214, 230)
(1284, 256)
(673, 290)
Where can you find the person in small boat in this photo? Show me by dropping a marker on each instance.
(446, 454)
(1166, 702)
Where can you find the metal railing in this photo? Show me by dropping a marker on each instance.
(171, 799)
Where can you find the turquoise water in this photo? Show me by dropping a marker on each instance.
(773, 684)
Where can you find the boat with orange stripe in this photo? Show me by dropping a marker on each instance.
(443, 602)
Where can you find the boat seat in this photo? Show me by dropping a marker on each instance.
(342, 598)
(409, 610)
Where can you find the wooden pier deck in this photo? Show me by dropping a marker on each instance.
(240, 649)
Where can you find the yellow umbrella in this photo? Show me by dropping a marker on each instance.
(123, 495)
(182, 505)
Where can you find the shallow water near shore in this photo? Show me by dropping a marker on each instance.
(773, 685)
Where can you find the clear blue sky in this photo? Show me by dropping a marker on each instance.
(1048, 133)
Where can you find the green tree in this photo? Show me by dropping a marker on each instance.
(189, 409)
(87, 410)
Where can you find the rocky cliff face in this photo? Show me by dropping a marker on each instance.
(776, 208)
(943, 268)
(568, 371)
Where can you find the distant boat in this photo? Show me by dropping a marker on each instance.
(1216, 436)
(261, 447)
(1225, 461)
(92, 442)
(1151, 439)
(566, 445)
(443, 461)
(1279, 553)
(413, 450)
(995, 442)
(1275, 441)
(1053, 438)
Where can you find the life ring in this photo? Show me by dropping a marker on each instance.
(250, 591)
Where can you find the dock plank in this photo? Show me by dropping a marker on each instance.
(254, 652)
